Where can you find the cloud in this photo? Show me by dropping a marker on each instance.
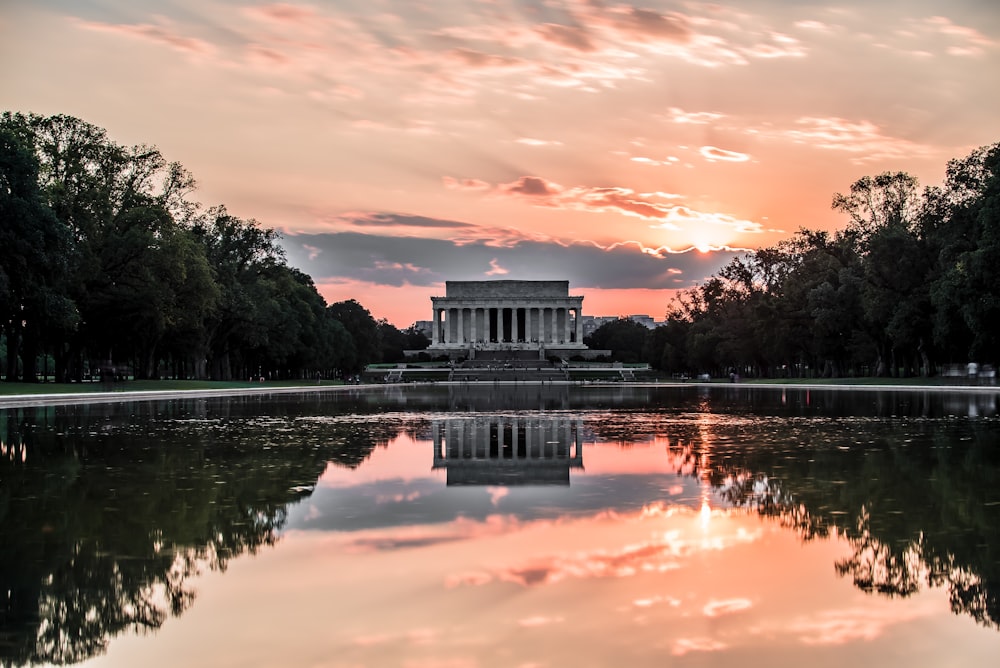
(530, 186)
(283, 13)
(570, 37)
(665, 551)
(678, 115)
(682, 646)
(396, 261)
(838, 627)
(644, 24)
(971, 42)
(864, 139)
(652, 206)
(528, 141)
(713, 154)
(155, 34)
(464, 184)
(402, 220)
(539, 620)
(496, 269)
(726, 607)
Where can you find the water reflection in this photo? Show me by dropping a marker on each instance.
(109, 512)
(507, 450)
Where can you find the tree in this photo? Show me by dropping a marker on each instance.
(34, 250)
(362, 327)
(623, 337)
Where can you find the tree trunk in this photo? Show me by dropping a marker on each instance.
(13, 348)
(29, 354)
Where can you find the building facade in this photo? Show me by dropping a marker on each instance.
(516, 319)
(500, 450)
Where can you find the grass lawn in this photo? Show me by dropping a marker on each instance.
(147, 386)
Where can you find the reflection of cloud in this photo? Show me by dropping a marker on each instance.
(726, 607)
(838, 627)
(528, 141)
(497, 493)
(395, 538)
(656, 600)
(539, 620)
(662, 553)
(682, 646)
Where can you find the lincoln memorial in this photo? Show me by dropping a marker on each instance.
(507, 450)
(507, 319)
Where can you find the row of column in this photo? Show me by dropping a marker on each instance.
(507, 438)
(529, 324)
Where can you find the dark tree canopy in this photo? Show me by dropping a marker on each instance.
(909, 285)
(107, 267)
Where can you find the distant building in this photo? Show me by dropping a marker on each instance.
(508, 319)
(592, 322)
(424, 327)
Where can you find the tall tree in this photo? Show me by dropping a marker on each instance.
(34, 249)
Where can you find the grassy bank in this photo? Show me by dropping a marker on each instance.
(147, 386)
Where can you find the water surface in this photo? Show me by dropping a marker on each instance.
(504, 526)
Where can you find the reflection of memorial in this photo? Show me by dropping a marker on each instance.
(507, 450)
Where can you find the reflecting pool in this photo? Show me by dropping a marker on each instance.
(504, 526)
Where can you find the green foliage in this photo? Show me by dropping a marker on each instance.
(908, 284)
(106, 263)
(623, 337)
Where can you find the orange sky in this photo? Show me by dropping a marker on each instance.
(398, 145)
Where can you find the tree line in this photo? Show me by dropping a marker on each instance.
(910, 284)
(107, 265)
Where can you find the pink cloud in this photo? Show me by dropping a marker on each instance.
(539, 620)
(643, 24)
(282, 13)
(464, 184)
(838, 627)
(479, 59)
(530, 186)
(570, 37)
(652, 206)
(712, 154)
(496, 270)
(154, 34)
(863, 138)
(678, 115)
(682, 646)
(726, 607)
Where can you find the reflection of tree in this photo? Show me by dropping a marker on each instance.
(917, 500)
(108, 512)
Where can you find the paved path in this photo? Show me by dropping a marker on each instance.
(56, 399)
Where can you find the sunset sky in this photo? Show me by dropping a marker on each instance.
(631, 148)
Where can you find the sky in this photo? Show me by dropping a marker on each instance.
(632, 148)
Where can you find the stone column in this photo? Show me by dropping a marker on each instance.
(514, 321)
(566, 325)
(500, 323)
(446, 338)
(436, 326)
(461, 325)
(527, 324)
(474, 312)
(555, 324)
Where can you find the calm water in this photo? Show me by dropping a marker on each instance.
(504, 527)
